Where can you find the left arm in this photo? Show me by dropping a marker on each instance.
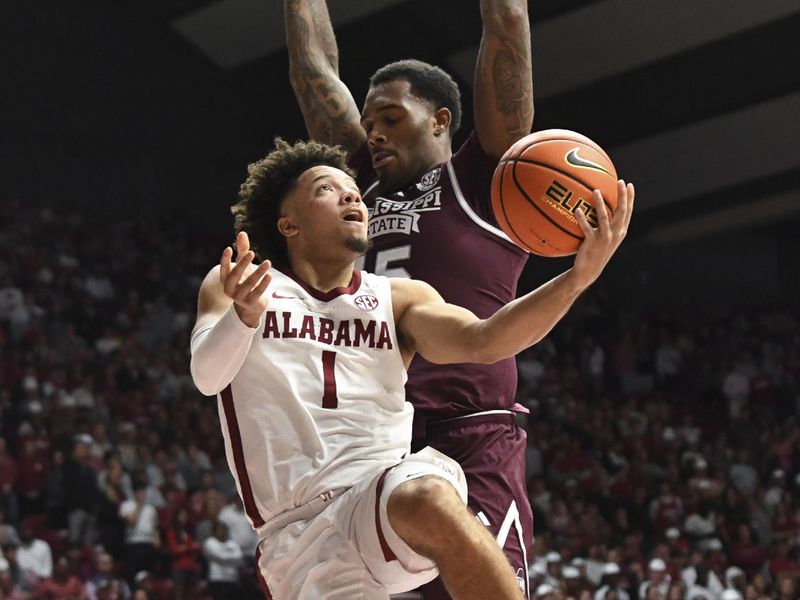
(443, 333)
(503, 91)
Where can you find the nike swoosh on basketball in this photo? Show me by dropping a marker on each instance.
(278, 296)
(578, 161)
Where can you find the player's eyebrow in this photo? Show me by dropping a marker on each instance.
(384, 107)
(328, 175)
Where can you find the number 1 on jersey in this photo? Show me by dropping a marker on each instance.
(329, 398)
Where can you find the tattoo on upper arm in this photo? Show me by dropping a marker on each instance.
(328, 112)
(330, 115)
(512, 91)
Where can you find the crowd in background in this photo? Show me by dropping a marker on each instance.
(663, 444)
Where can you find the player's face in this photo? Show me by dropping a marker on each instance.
(400, 134)
(325, 208)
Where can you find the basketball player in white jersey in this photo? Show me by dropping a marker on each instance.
(308, 355)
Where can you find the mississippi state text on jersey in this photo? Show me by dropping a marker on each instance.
(441, 230)
(318, 403)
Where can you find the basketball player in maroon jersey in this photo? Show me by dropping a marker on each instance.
(431, 219)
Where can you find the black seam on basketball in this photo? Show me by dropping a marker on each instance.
(589, 143)
(534, 205)
(503, 206)
(557, 170)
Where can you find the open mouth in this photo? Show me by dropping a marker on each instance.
(354, 216)
(380, 158)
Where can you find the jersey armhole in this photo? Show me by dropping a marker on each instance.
(473, 216)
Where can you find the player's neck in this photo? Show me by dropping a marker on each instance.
(436, 159)
(323, 276)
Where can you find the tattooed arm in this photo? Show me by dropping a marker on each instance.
(328, 107)
(503, 101)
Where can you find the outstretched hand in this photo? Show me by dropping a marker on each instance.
(243, 282)
(599, 244)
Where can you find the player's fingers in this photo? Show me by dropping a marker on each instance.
(259, 290)
(242, 244)
(241, 294)
(225, 265)
(583, 223)
(624, 207)
(232, 283)
(252, 280)
(631, 196)
(602, 212)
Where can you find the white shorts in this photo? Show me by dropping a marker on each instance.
(349, 551)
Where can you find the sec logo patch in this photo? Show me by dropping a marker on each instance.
(366, 302)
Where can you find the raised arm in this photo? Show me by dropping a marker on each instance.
(503, 94)
(229, 308)
(328, 107)
(444, 333)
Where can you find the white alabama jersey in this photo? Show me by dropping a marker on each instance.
(319, 402)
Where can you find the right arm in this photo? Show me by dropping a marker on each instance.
(330, 113)
(229, 309)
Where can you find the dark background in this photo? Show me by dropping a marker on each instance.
(154, 108)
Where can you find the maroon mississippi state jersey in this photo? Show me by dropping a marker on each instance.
(441, 230)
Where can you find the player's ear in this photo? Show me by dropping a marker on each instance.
(287, 227)
(441, 121)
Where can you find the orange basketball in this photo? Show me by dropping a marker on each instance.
(540, 182)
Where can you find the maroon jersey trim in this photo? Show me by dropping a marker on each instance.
(462, 202)
(355, 283)
(261, 579)
(238, 457)
(388, 553)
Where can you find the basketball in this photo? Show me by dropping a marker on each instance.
(542, 180)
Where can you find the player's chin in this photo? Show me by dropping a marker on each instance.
(357, 243)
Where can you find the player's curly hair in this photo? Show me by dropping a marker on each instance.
(428, 82)
(268, 183)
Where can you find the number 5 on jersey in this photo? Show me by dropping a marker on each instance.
(383, 258)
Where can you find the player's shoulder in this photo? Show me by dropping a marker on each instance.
(406, 292)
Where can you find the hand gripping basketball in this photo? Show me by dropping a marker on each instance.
(600, 243)
(540, 183)
(245, 283)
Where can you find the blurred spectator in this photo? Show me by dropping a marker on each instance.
(197, 501)
(658, 579)
(62, 584)
(195, 463)
(8, 533)
(544, 591)
(700, 586)
(114, 488)
(743, 474)
(212, 506)
(147, 587)
(184, 551)
(104, 579)
(34, 557)
(55, 486)
(81, 495)
(745, 552)
(31, 479)
(239, 527)
(14, 571)
(610, 584)
(224, 558)
(141, 532)
(9, 590)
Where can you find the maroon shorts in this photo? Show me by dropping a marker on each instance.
(491, 450)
